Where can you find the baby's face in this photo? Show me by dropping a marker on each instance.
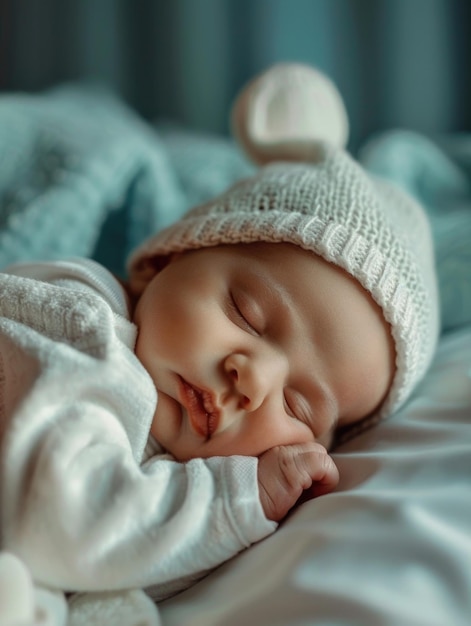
(255, 346)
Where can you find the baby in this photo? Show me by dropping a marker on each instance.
(291, 312)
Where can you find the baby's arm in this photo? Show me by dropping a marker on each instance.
(83, 515)
(286, 471)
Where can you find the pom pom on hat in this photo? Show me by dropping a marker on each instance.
(330, 206)
(287, 112)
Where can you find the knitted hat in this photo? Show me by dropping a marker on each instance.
(332, 207)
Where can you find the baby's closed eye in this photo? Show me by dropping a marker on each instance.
(297, 405)
(246, 312)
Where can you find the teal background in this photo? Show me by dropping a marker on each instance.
(398, 63)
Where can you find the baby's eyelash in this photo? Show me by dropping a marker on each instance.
(296, 407)
(242, 318)
(288, 407)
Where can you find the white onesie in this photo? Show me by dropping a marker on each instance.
(80, 504)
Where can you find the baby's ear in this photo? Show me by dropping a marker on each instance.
(290, 112)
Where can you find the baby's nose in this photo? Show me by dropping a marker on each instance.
(254, 378)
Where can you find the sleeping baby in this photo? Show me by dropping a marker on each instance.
(150, 433)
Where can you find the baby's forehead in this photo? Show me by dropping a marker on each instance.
(287, 261)
(270, 252)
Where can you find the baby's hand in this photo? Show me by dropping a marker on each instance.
(285, 472)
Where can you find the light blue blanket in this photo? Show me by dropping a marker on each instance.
(438, 174)
(81, 174)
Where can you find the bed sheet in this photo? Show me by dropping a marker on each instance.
(392, 545)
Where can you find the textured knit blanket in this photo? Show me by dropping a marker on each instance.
(438, 174)
(81, 174)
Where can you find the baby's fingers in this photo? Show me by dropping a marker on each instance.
(285, 472)
(312, 464)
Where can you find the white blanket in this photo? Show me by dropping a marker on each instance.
(24, 604)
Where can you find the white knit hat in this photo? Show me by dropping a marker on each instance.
(371, 229)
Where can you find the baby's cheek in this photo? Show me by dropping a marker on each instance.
(286, 431)
(166, 423)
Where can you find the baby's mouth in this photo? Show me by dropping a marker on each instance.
(202, 412)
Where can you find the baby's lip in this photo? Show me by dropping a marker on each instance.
(201, 407)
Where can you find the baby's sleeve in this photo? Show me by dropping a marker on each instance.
(219, 514)
(88, 517)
